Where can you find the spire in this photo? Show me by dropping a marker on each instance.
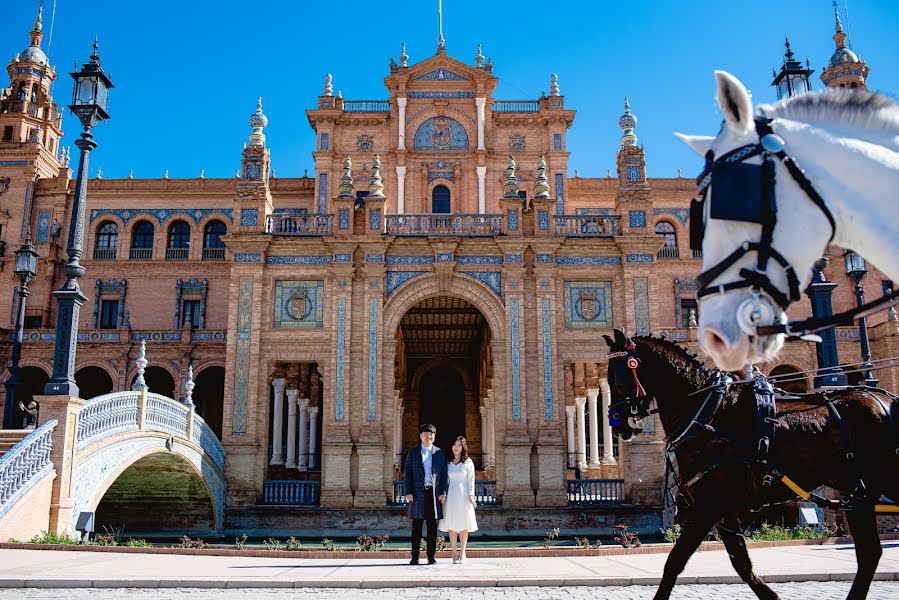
(541, 185)
(258, 121)
(554, 85)
(404, 58)
(788, 55)
(329, 89)
(375, 186)
(346, 181)
(836, 14)
(628, 122)
(36, 34)
(510, 185)
(479, 58)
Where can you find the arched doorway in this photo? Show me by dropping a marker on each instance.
(209, 397)
(33, 381)
(92, 382)
(159, 381)
(441, 400)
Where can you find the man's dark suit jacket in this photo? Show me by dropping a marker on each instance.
(415, 481)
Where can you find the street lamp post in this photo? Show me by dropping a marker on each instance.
(819, 292)
(26, 269)
(89, 103)
(855, 268)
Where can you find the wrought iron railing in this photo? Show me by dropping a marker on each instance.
(300, 225)
(366, 106)
(213, 254)
(484, 492)
(425, 224)
(24, 463)
(511, 106)
(141, 254)
(595, 491)
(668, 252)
(587, 225)
(177, 253)
(697, 253)
(291, 492)
(104, 253)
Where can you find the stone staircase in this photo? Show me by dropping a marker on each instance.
(11, 437)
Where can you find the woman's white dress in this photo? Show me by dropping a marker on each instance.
(458, 513)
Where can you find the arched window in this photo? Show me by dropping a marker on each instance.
(440, 200)
(213, 246)
(179, 241)
(107, 239)
(666, 230)
(142, 241)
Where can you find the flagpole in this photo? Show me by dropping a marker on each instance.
(440, 22)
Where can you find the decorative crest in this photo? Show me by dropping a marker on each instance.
(510, 185)
(141, 363)
(375, 185)
(554, 85)
(346, 181)
(541, 184)
(404, 58)
(329, 89)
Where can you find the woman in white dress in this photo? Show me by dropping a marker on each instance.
(458, 510)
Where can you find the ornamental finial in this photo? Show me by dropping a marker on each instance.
(166, 174)
(788, 55)
(628, 122)
(375, 186)
(836, 14)
(479, 58)
(258, 121)
(329, 89)
(554, 85)
(510, 185)
(346, 190)
(202, 173)
(404, 58)
(130, 173)
(189, 387)
(141, 363)
(541, 185)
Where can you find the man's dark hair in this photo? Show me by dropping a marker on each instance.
(426, 427)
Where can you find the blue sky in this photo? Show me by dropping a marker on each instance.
(187, 74)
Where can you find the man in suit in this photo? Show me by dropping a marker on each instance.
(426, 483)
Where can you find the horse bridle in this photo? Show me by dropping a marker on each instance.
(731, 174)
(637, 409)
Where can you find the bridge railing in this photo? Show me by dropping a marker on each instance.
(26, 462)
(108, 414)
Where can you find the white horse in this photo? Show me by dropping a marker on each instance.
(847, 144)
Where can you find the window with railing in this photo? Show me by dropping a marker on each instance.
(213, 246)
(142, 241)
(107, 240)
(667, 230)
(178, 242)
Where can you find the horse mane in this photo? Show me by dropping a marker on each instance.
(679, 358)
(857, 108)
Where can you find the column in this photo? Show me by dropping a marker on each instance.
(397, 430)
(278, 420)
(401, 189)
(484, 440)
(592, 394)
(569, 413)
(579, 402)
(304, 431)
(608, 455)
(480, 103)
(401, 145)
(292, 428)
(491, 428)
(313, 435)
(482, 190)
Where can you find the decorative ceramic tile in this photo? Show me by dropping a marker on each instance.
(435, 175)
(247, 257)
(372, 358)
(479, 260)
(543, 220)
(374, 219)
(298, 260)
(440, 74)
(588, 304)
(594, 211)
(397, 278)
(588, 260)
(678, 335)
(493, 280)
(343, 258)
(560, 194)
(637, 218)
(444, 257)
(409, 260)
(516, 360)
(441, 133)
(546, 259)
(162, 214)
(517, 142)
(43, 227)
(343, 219)
(322, 193)
(513, 220)
(340, 349)
(242, 360)
(298, 304)
(681, 213)
(374, 258)
(441, 94)
(249, 217)
(641, 304)
(290, 211)
(325, 141)
(639, 258)
(514, 258)
(547, 360)
(633, 173)
(557, 141)
(253, 171)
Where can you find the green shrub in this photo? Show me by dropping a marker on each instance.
(188, 542)
(626, 538)
(137, 543)
(273, 544)
(550, 536)
(240, 541)
(46, 537)
(366, 543)
(671, 533)
(294, 544)
(774, 533)
(329, 545)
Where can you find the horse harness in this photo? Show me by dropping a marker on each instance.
(750, 191)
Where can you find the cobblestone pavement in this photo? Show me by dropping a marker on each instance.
(880, 590)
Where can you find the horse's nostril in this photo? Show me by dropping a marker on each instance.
(714, 342)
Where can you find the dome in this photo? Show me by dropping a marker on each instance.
(842, 55)
(34, 54)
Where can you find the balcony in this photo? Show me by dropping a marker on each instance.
(697, 254)
(429, 224)
(516, 106)
(668, 252)
(177, 253)
(300, 225)
(595, 491)
(140, 254)
(366, 106)
(594, 226)
(213, 254)
(104, 253)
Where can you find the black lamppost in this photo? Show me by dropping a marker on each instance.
(819, 292)
(792, 79)
(26, 269)
(89, 103)
(855, 268)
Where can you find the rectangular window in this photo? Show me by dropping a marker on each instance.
(32, 322)
(688, 308)
(191, 313)
(887, 286)
(109, 314)
(7, 133)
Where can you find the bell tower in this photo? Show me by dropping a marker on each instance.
(845, 69)
(633, 201)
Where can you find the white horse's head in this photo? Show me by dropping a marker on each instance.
(728, 318)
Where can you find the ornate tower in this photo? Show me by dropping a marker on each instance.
(845, 69)
(253, 197)
(633, 190)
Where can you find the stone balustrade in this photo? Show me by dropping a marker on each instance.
(24, 464)
(444, 224)
(587, 225)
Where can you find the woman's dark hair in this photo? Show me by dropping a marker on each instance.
(464, 455)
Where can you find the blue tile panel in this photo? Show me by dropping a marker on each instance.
(43, 227)
(242, 359)
(637, 218)
(641, 304)
(397, 278)
(253, 171)
(514, 258)
(26, 210)
(435, 175)
(560, 194)
(516, 361)
(492, 279)
(441, 133)
(547, 360)
(557, 141)
(325, 141)
(441, 94)
(479, 260)
(343, 219)
(681, 213)
(341, 359)
(249, 217)
(343, 258)
(546, 259)
(639, 258)
(594, 211)
(374, 258)
(298, 260)
(162, 214)
(678, 335)
(374, 219)
(513, 220)
(247, 257)
(372, 358)
(543, 220)
(588, 260)
(155, 336)
(588, 304)
(298, 304)
(440, 74)
(444, 257)
(322, 193)
(409, 260)
(290, 211)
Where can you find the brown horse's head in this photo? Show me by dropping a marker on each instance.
(627, 383)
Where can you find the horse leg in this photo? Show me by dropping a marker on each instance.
(735, 544)
(863, 527)
(693, 533)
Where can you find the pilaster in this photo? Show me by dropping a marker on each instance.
(65, 410)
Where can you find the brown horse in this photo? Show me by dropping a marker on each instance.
(714, 438)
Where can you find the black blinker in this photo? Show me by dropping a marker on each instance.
(738, 190)
(697, 226)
